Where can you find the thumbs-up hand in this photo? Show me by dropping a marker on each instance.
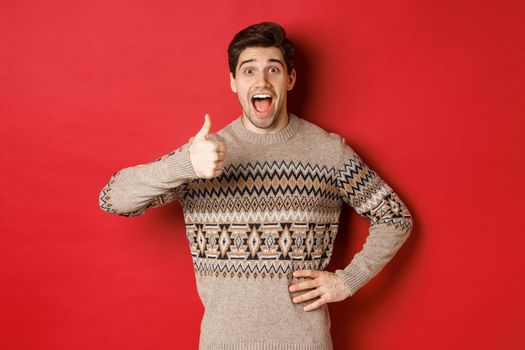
(206, 155)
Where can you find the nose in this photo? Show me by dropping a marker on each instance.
(262, 80)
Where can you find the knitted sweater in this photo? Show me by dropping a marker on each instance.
(274, 209)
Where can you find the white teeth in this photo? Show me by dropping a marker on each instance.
(262, 96)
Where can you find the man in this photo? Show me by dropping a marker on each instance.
(261, 201)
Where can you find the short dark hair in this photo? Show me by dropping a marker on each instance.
(264, 34)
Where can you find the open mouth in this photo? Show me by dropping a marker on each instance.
(262, 103)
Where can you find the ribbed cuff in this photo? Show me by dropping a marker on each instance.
(353, 277)
(178, 165)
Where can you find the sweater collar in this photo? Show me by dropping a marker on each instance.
(281, 136)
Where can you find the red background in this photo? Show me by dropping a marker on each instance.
(430, 94)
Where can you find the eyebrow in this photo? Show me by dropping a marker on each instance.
(270, 60)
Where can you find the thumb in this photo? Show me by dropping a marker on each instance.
(205, 129)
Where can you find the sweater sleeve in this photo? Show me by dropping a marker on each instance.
(132, 190)
(390, 221)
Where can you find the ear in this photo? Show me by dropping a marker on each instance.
(232, 83)
(291, 79)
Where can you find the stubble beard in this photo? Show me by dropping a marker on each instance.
(262, 123)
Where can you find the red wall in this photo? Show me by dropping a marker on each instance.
(429, 93)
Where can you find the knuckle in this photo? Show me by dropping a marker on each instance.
(213, 157)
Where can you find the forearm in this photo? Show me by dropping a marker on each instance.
(132, 190)
(391, 224)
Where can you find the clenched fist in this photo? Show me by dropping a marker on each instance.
(206, 155)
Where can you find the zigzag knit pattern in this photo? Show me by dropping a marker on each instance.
(370, 196)
(239, 224)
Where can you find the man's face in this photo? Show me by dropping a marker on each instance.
(261, 83)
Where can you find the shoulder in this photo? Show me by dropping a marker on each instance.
(331, 144)
(318, 135)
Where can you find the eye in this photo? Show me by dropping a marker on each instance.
(273, 70)
(248, 71)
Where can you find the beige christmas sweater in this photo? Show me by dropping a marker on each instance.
(274, 209)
